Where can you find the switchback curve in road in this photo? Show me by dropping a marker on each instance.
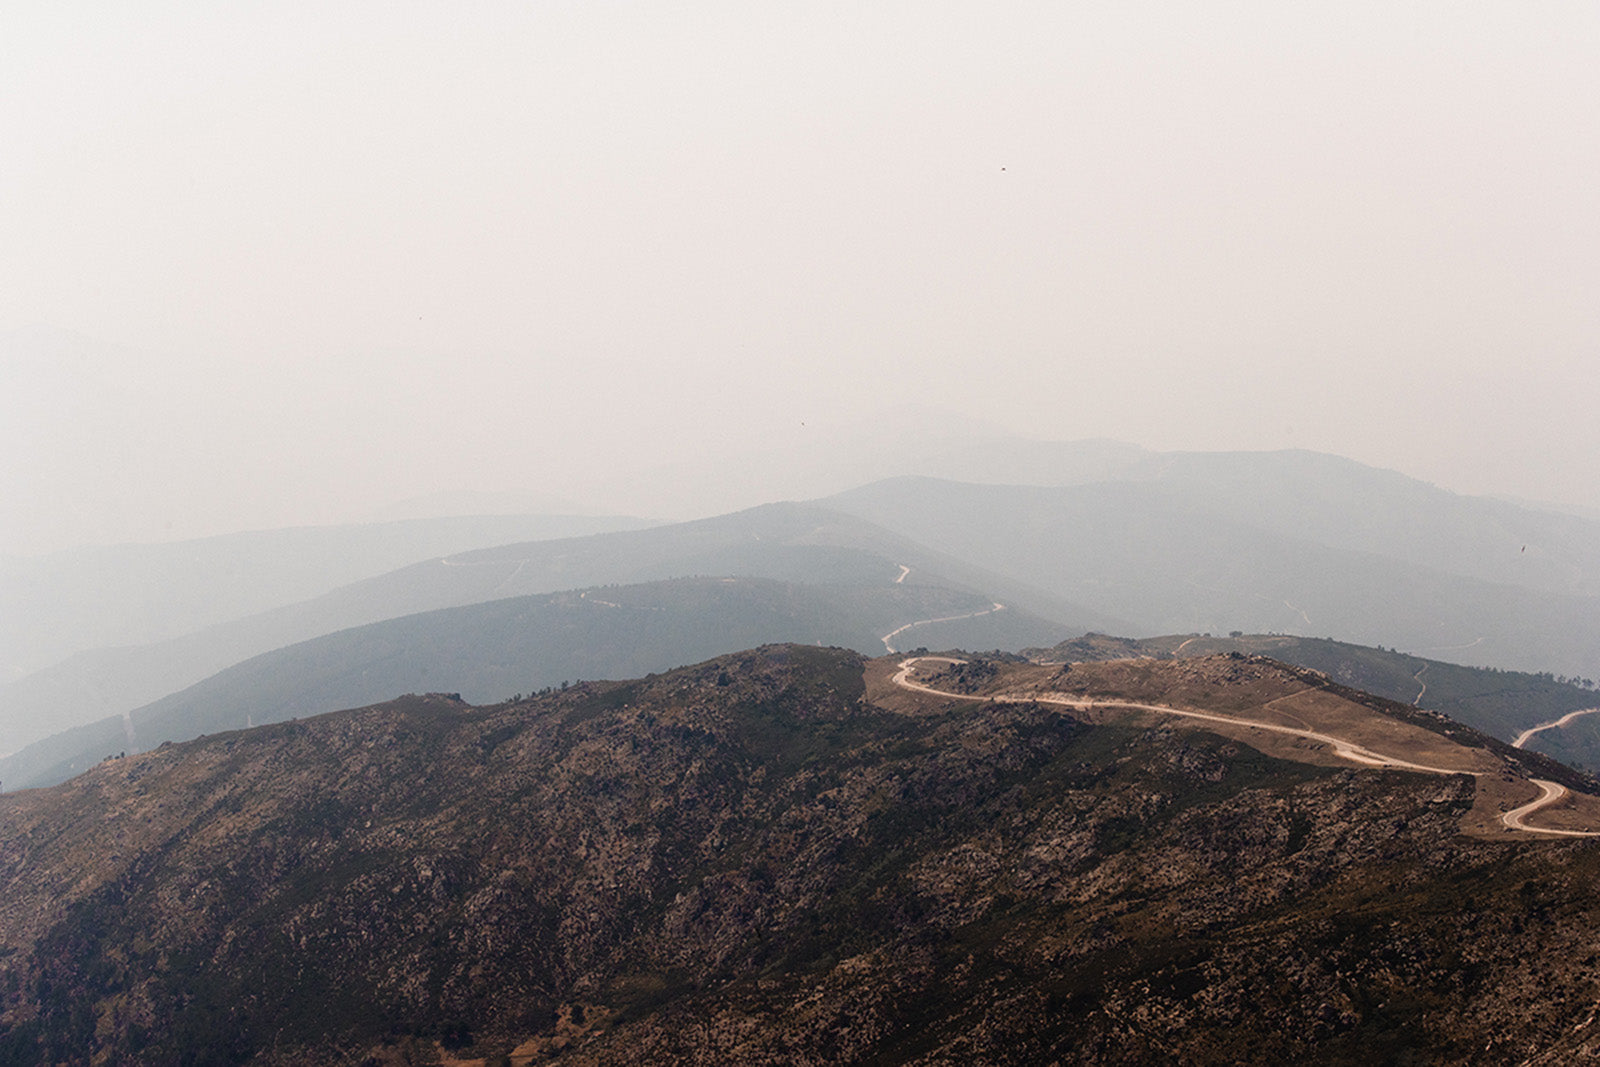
(1549, 793)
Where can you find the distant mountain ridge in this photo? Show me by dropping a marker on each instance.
(1348, 505)
(55, 605)
(1135, 542)
(490, 651)
(784, 542)
(1234, 548)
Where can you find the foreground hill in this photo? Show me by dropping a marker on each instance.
(487, 652)
(757, 860)
(784, 542)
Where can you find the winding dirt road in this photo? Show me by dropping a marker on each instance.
(1550, 792)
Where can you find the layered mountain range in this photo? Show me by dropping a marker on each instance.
(1133, 543)
(1316, 820)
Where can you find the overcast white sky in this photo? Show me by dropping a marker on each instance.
(314, 257)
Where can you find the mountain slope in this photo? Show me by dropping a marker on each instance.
(1284, 542)
(784, 542)
(1292, 542)
(751, 861)
(1502, 704)
(487, 652)
(1177, 561)
(55, 605)
(1348, 505)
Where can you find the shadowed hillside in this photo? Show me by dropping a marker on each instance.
(490, 651)
(783, 542)
(749, 861)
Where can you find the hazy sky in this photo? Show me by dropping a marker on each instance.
(315, 257)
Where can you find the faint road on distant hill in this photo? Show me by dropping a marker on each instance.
(1550, 792)
(1553, 724)
(1454, 648)
(888, 638)
(446, 561)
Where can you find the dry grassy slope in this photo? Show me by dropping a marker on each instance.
(1498, 702)
(753, 861)
(1262, 690)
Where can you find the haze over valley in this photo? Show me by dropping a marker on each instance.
(722, 534)
(1176, 544)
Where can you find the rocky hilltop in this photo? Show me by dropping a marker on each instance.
(780, 857)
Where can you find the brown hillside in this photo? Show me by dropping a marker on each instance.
(754, 861)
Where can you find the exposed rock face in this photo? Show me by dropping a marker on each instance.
(744, 862)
